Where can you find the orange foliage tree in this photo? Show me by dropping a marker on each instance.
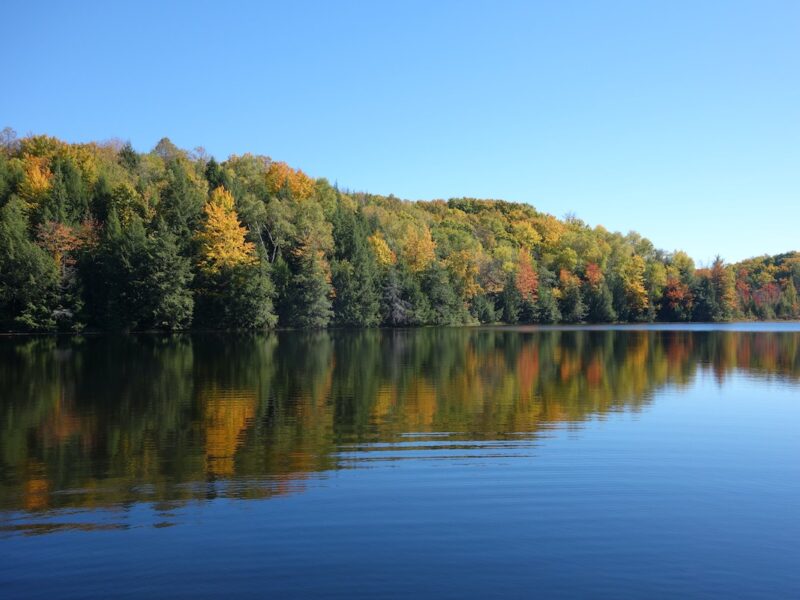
(527, 280)
(279, 174)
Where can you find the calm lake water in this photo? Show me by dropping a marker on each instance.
(652, 462)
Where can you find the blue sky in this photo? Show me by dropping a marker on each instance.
(680, 120)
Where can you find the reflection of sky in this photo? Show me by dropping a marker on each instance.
(702, 484)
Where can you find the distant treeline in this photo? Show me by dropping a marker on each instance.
(102, 237)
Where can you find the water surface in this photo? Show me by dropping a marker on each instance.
(514, 462)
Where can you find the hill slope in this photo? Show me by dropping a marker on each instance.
(100, 236)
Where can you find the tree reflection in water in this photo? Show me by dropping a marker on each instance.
(101, 422)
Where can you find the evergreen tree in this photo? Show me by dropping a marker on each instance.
(128, 157)
(236, 297)
(216, 175)
(483, 310)
(396, 311)
(354, 272)
(102, 199)
(546, 308)
(77, 205)
(419, 301)
(7, 177)
(445, 306)
(166, 285)
(67, 200)
(572, 307)
(357, 303)
(310, 290)
(54, 205)
(715, 296)
(599, 304)
(788, 307)
(251, 292)
(705, 307)
(113, 275)
(511, 301)
(181, 203)
(28, 275)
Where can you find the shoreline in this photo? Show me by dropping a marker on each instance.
(653, 326)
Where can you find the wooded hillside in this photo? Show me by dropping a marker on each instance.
(102, 237)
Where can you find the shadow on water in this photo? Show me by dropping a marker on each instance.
(107, 422)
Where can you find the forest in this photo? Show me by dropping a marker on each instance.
(100, 237)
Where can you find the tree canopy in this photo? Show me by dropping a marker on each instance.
(101, 236)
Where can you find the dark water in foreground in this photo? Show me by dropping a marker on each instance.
(425, 463)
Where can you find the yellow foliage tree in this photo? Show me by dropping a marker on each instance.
(634, 284)
(383, 253)
(222, 239)
(279, 174)
(525, 234)
(37, 179)
(549, 228)
(419, 249)
(464, 266)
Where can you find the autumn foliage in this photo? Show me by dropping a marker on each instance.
(222, 240)
(102, 236)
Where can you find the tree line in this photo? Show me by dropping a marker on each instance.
(98, 236)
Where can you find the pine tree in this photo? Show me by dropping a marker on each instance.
(788, 307)
(113, 275)
(28, 275)
(599, 304)
(354, 272)
(546, 308)
(445, 306)
(572, 307)
(237, 297)
(511, 301)
(396, 311)
(311, 289)
(181, 202)
(483, 309)
(166, 284)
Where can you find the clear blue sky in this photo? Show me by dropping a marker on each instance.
(680, 120)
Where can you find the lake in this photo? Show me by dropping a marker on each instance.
(651, 462)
